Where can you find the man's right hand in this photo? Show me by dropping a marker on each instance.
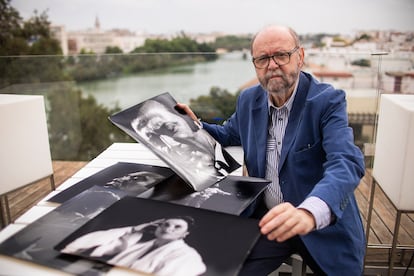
(185, 109)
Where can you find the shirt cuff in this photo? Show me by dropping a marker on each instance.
(319, 209)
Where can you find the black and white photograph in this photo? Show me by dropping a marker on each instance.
(35, 243)
(161, 238)
(131, 178)
(231, 195)
(175, 138)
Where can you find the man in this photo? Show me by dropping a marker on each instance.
(166, 253)
(294, 131)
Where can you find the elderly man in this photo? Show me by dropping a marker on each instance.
(294, 131)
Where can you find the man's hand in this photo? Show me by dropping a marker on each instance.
(185, 109)
(285, 221)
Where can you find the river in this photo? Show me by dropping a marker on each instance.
(228, 72)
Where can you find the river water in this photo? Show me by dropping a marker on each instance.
(229, 72)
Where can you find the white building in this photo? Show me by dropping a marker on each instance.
(96, 40)
(59, 33)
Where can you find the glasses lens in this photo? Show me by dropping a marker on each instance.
(261, 62)
(281, 58)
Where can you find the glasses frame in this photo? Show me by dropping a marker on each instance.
(289, 53)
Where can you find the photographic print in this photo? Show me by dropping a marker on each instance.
(130, 178)
(231, 195)
(35, 242)
(176, 139)
(165, 239)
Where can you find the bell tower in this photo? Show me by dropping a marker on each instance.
(97, 24)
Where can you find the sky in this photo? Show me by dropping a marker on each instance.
(226, 16)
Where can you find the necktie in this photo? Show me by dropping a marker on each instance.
(273, 194)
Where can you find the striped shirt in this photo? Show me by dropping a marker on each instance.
(278, 120)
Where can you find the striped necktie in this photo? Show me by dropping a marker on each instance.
(273, 194)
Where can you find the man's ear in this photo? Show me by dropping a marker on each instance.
(302, 57)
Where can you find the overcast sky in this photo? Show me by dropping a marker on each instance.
(229, 16)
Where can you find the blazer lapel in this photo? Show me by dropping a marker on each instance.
(260, 122)
(294, 118)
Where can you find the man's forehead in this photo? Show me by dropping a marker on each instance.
(273, 37)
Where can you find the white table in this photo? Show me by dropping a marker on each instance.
(117, 152)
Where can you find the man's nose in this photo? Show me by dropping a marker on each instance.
(272, 63)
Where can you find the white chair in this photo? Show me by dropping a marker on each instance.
(24, 146)
(394, 160)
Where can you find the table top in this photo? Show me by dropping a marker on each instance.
(117, 152)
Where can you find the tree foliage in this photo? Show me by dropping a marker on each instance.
(31, 63)
(232, 42)
(10, 21)
(216, 107)
(154, 54)
(179, 44)
(79, 128)
(362, 62)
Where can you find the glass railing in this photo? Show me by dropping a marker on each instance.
(80, 92)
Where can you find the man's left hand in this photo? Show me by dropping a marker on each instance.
(285, 221)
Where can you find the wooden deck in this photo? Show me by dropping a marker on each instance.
(25, 198)
(382, 229)
(382, 223)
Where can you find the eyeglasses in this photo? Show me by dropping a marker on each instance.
(280, 58)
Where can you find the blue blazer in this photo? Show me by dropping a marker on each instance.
(319, 158)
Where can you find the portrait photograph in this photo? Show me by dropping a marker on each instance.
(176, 139)
(231, 195)
(161, 238)
(131, 178)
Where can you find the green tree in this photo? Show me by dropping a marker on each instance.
(31, 61)
(215, 107)
(79, 128)
(19, 39)
(113, 50)
(10, 21)
(179, 50)
(362, 62)
(232, 42)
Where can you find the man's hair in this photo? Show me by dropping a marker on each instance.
(295, 36)
(190, 221)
